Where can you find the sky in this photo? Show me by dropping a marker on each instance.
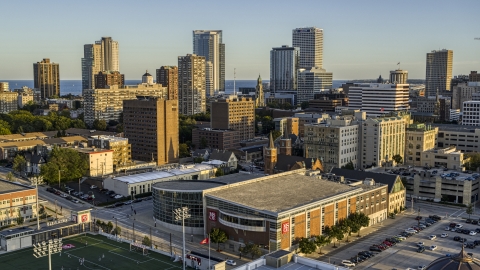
(362, 39)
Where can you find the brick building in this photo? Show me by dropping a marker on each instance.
(215, 138)
(16, 201)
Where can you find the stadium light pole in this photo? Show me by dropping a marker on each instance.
(47, 249)
(181, 214)
(36, 187)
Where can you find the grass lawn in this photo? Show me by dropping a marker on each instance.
(116, 256)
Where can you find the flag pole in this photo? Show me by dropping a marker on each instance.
(208, 235)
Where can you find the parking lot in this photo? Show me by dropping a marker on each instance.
(86, 193)
(404, 254)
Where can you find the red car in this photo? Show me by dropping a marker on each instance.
(418, 218)
(387, 243)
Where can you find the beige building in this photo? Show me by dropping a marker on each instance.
(309, 118)
(24, 98)
(4, 87)
(463, 92)
(449, 158)
(420, 137)
(122, 150)
(287, 125)
(191, 84)
(46, 78)
(381, 139)
(8, 101)
(168, 77)
(151, 126)
(438, 74)
(107, 104)
(234, 113)
(100, 161)
(334, 142)
(399, 76)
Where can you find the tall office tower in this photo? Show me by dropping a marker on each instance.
(235, 114)
(104, 78)
(167, 76)
(310, 42)
(151, 126)
(46, 78)
(398, 76)
(259, 96)
(284, 63)
(101, 56)
(438, 72)
(208, 43)
(377, 98)
(4, 87)
(191, 84)
(312, 81)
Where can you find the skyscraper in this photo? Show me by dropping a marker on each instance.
(438, 71)
(284, 63)
(310, 42)
(167, 76)
(101, 56)
(46, 78)
(151, 126)
(191, 84)
(208, 43)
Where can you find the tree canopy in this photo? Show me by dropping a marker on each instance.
(71, 164)
(307, 245)
(218, 236)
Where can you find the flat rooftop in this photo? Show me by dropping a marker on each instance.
(278, 193)
(155, 175)
(200, 185)
(7, 187)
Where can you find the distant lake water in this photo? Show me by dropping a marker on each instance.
(74, 87)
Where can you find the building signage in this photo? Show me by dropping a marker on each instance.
(285, 227)
(212, 215)
(193, 258)
(59, 221)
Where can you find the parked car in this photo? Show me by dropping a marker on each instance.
(75, 193)
(418, 218)
(348, 263)
(433, 247)
(110, 192)
(51, 190)
(422, 267)
(456, 238)
(432, 237)
(113, 195)
(473, 233)
(468, 220)
(137, 200)
(376, 249)
(474, 222)
(458, 226)
(420, 244)
(69, 198)
(232, 262)
(63, 195)
(470, 245)
(75, 201)
(453, 225)
(103, 190)
(118, 204)
(447, 228)
(421, 249)
(118, 196)
(128, 202)
(93, 187)
(444, 235)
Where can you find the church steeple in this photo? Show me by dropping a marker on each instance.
(270, 156)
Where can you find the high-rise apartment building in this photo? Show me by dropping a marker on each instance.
(168, 77)
(46, 78)
(106, 78)
(235, 114)
(101, 56)
(208, 43)
(464, 92)
(191, 84)
(398, 76)
(8, 101)
(310, 42)
(312, 81)
(151, 126)
(4, 87)
(438, 73)
(376, 98)
(284, 63)
(474, 76)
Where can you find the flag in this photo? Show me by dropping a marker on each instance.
(205, 241)
(381, 109)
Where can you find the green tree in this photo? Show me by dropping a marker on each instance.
(335, 232)
(469, 209)
(109, 226)
(218, 236)
(197, 160)
(307, 246)
(183, 150)
(77, 123)
(9, 176)
(398, 159)
(146, 241)
(4, 128)
(276, 134)
(99, 124)
(66, 113)
(267, 124)
(360, 220)
(349, 166)
(348, 226)
(473, 162)
(117, 230)
(304, 105)
(71, 163)
(251, 249)
(119, 128)
(19, 163)
(321, 241)
(203, 143)
(19, 220)
(219, 172)
(42, 124)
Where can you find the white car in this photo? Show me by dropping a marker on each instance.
(400, 237)
(422, 267)
(231, 262)
(118, 196)
(93, 187)
(348, 263)
(444, 235)
(63, 195)
(458, 226)
(473, 233)
(433, 247)
(75, 201)
(432, 237)
(447, 228)
(420, 244)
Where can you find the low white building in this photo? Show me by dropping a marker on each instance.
(100, 161)
(142, 182)
(449, 157)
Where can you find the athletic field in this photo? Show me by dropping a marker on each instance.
(100, 253)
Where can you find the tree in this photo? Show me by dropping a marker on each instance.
(251, 249)
(146, 241)
(304, 105)
(321, 241)
(119, 128)
(117, 230)
(219, 172)
(71, 163)
(109, 226)
(99, 124)
(19, 163)
(203, 143)
(348, 226)
(307, 246)
(20, 219)
(10, 176)
(218, 236)
(198, 160)
(349, 166)
(77, 123)
(474, 161)
(276, 134)
(4, 128)
(469, 209)
(334, 232)
(398, 159)
(359, 220)
(183, 150)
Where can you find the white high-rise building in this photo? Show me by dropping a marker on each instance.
(191, 84)
(438, 73)
(377, 99)
(312, 81)
(284, 63)
(471, 112)
(208, 43)
(310, 42)
(101, 56)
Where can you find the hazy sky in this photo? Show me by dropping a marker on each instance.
(362, 39)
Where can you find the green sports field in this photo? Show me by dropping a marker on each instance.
(115, 256)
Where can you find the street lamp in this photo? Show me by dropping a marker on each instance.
(36, 187)
(181, 214)
(47, 249)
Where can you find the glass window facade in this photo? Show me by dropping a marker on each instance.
(165, 202)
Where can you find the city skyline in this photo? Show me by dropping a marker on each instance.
(363, 41)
